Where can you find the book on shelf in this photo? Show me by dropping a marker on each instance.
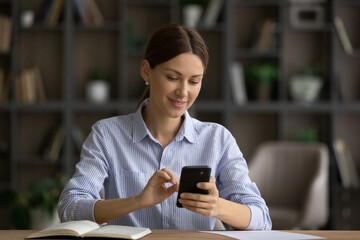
(97, 17)
(237, 81)
(4, 86)
(5, 33)
(30, 86)
(53, 12)
(85, 228)
(265, 36)
(347, 168)
(89, 13)
(53, 150)
(212, 12)
(343, 36)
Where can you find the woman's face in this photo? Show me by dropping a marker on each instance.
(175, 84)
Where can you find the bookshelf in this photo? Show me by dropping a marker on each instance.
(66, 53)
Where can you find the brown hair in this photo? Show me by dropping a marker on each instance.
(171, 40)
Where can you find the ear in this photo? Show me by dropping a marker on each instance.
(145, 69)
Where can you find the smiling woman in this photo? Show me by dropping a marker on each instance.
(137, 158)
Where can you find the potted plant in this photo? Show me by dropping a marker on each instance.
(306, 85)
(191, 12)
(307, 134)
(35, 206)
(261, 79)
(98, 87)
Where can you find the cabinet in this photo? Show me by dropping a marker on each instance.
(67, 52)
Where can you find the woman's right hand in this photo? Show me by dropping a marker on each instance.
(155, 191)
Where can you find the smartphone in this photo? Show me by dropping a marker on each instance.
(190, 176)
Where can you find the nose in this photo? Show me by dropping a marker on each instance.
(182, 89)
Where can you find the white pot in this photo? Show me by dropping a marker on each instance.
(27, 18)
(191, 15)
(41, 219)
(97, 91)
(305, 88)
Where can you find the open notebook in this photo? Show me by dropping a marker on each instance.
(87, 228)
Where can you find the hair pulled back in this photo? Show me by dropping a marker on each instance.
(171, 40)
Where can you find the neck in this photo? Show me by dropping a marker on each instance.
(163, 129)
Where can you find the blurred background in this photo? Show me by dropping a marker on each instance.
(280, 71)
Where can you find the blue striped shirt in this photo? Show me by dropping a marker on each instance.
(121, 155)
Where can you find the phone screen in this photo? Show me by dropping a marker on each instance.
(190, 176)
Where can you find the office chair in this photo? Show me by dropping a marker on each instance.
(293, 179)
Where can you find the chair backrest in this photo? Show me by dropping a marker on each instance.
(288, 174)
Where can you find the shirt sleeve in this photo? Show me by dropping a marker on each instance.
(235, 185)
(83, 190)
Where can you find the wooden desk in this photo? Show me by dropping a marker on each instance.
(181, 235)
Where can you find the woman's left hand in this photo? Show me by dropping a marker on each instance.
(207, 205)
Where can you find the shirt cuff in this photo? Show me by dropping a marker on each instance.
(85, 209)
(256, 216)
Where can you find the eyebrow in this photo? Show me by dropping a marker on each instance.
(179, 73)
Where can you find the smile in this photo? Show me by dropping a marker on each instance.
(178, 104)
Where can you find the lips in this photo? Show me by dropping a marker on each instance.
(177, 103)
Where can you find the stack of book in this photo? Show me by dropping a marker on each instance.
(52, 12)
(89, 13)
(4, 86)
(265, 39)
(5, 34)
(29, 86)
(348, 172)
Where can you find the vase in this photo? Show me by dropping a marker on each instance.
(305, 88)
(97, 91)
(191, 15)
(27, 18)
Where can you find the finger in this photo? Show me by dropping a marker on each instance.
(202, 211)
(159, 177)
(204, 208)
(207, 185)
(174, 179)
(195, 197)
(172, 189)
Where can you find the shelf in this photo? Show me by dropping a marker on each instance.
(349, 3)
(104, 107)
(146, 3)
(109, 26)
(327, 28)
(39, 107)
(42, 28)
(36, 160)
(5, 106)
(68, 52)
(252, 53)
(258, 3)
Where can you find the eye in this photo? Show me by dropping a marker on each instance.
(194, 82)
(172, 78)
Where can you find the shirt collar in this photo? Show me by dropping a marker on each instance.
(140, 130)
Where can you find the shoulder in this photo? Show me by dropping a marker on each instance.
(211, 129)
(114, 124)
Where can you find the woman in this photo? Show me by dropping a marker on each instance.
(137, 158)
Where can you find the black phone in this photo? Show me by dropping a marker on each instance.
(190, 176)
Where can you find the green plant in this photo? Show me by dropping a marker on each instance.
(311, 71)
(265, 73)
(41, 194)
(98, 73)
(307, 135)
